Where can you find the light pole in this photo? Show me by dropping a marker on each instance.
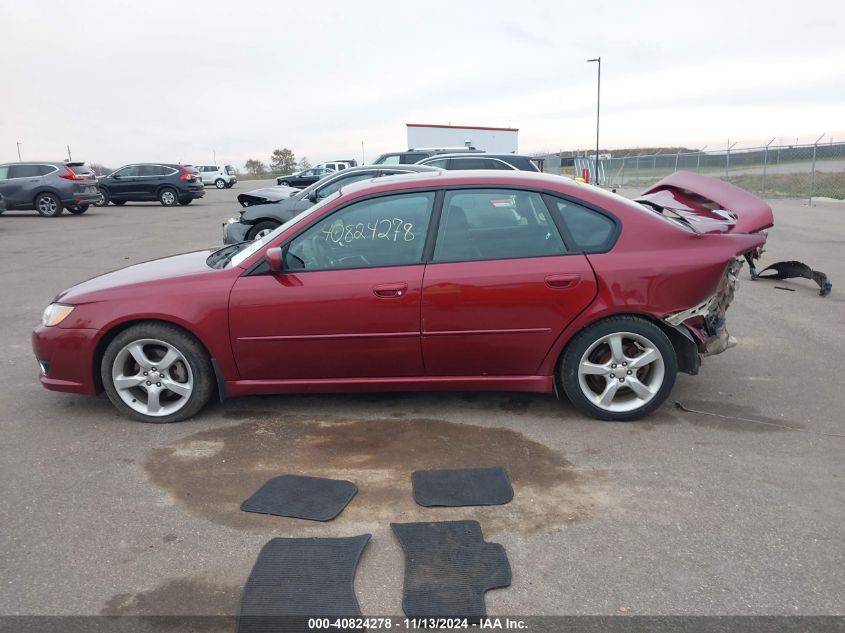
(598, 112)
(19, 150)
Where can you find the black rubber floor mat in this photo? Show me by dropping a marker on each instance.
(295, 579)
(312, 498)
(462, 487)
(448, 568)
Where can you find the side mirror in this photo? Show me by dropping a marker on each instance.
(312, 196)
(117, 176)
(273, 257)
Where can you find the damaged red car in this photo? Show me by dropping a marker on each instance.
(460, 280)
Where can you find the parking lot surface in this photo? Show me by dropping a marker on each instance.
(736, 509)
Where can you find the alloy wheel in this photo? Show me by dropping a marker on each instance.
(47, 205)
(621, 372)
(152, 377)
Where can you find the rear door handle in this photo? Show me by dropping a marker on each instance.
(386, 291)
(563, 280)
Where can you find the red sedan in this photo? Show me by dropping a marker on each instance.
(468, 280)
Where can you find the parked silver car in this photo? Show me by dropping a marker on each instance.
(48, 187)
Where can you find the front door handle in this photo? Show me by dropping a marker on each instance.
(563, 280)
(386, 291)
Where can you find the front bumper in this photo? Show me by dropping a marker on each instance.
(66, 358)
(235, 231)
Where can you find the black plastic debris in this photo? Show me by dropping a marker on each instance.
(792, 270)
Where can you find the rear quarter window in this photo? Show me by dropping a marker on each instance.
(586, 229)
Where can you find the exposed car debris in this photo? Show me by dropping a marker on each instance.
(792, 270)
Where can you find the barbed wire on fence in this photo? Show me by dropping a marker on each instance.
(796, 171)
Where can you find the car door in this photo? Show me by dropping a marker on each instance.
(501, 285)
(123, 184)
(22, 180)
(348, 302)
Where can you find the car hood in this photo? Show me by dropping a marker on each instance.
(174, 268)
(282, 210)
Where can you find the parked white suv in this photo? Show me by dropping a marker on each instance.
(337, 165)
(220, 177)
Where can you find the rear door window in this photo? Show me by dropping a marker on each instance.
(474, 163)
(484, 224)
(411, 158)
(28, 171)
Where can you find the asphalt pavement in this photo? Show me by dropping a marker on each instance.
(734, 509)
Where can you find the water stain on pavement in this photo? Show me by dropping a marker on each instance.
(190, 596)
(211, 472)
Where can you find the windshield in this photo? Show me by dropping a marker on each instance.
(250, 248)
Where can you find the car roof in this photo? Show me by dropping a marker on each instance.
(469, 177)
(475, 155)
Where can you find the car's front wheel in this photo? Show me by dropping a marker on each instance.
(619, 369)
(167, 197)
(48, 205)
(283, 183)
(261, 229)
(156, 372)
(220, 183)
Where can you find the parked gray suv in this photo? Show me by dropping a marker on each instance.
(48, 187)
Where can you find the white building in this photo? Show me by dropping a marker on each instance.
(499, 140)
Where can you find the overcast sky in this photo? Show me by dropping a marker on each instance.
(173, 81)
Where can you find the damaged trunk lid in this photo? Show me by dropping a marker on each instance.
(708, 205)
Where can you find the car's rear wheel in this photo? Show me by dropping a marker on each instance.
(78, 209)
(220, 183)
(261, 229)
(104, 200)
(619, 369)
(48, 205)
(155, 372)
(167, 197)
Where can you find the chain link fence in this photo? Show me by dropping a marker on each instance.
(794, 171)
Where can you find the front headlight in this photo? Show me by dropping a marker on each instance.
(55, 313)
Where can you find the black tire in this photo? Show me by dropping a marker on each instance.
(78, 209)
(48, 205)
(104, 199)
(220, 183)
(575, 350)
(283, 183)
(186, 344)
(118, 203)
(261, 226)
(186, 201)
(168, 197)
